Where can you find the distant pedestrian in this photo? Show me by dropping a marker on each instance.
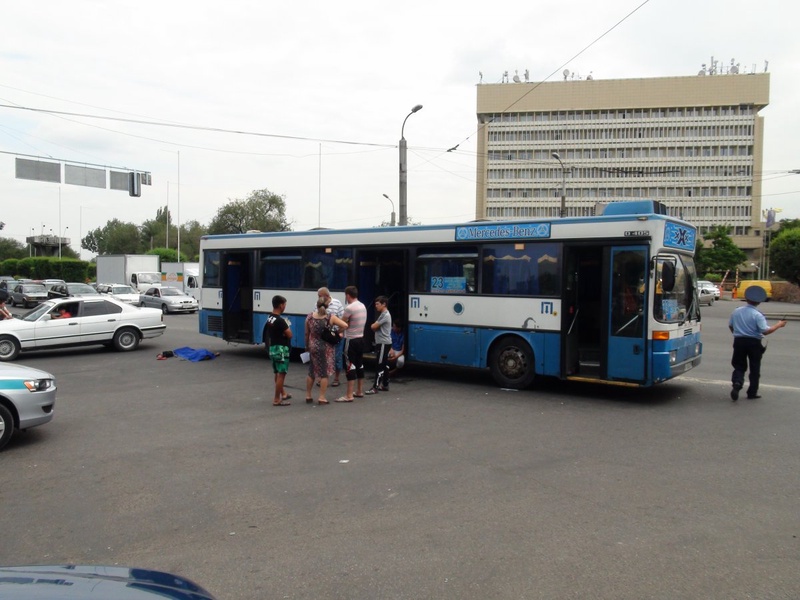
(749, 327)
(278, 336)
(355, 315)
(383, 344)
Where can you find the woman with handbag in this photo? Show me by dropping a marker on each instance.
(321, 353)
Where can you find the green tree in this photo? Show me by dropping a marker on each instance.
(168, 254)
(784, 255)
(115, 238)
(10, 248)
(191, 232)
(261, 210)
(789, 224)
(723, 255)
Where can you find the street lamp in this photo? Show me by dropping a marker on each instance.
(390, 200)
(59, 242)
(563, 211)
(404, 170)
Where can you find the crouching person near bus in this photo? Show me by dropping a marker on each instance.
(278, 336)
(397, 355)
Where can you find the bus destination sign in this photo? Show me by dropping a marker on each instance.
(503, 231)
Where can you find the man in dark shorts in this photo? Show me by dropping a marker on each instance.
(355, 313)
(278, 336)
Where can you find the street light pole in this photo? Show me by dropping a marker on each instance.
(390, 200)
(59, 242)
(404, 170)
(563, 211)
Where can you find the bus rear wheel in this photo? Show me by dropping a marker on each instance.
(511, 363)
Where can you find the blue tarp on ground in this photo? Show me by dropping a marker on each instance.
(194, 354)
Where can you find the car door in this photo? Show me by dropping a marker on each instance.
(62, 331)
(150, 298)
(99, 320)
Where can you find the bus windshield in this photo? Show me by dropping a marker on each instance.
(678, 304)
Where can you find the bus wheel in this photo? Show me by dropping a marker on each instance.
(511, 363)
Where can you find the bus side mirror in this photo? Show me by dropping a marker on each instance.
(668, 276)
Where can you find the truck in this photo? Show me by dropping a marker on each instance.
(182, 275)
(140, 271)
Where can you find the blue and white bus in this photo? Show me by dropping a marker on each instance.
(609, 298)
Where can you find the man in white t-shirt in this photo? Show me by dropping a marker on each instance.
(355, 313)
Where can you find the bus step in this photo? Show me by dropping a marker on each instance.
(589, 367)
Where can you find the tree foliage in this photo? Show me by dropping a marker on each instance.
(261, 211)
(723, 255)
(10, 248)
(784, 255)
(115, 238)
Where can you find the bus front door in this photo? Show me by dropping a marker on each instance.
(627, 323)
(237, 298)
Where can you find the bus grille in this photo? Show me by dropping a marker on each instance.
(214, 324)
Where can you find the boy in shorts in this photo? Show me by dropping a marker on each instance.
(278, 336)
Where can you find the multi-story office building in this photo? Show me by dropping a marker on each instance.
(694, 143)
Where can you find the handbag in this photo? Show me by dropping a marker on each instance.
(330, 335)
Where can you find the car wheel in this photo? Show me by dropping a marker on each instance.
(164, 309)
(9, 348)
(6, 425)
(511, 363)
(126, 339)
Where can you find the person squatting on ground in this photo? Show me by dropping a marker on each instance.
(335, 308)
(397, 354)
(321, 353)
(4, 312)
(383, 344)
(749, 327)
(278, 335)
(355, 315)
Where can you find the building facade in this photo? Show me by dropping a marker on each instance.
(694, 143)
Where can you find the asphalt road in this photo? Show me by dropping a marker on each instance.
(446, 487)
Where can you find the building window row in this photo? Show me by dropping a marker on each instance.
(622, 133)
(639, 113)
(707, 193)
(591, 173)
(622, 153)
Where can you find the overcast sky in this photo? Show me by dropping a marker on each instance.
(342, 76)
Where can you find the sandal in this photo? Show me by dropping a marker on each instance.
(322, 402)
(287, 397)
(335, 384)
(358, 395)
(282, 403)
(309, 400)
(343, 399)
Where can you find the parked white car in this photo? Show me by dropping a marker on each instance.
(27, 399)
(169, 300)
(79, 321)
(123, 293)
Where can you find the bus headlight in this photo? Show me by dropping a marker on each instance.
(673, 357)
(697, 349)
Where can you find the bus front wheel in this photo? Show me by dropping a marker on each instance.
(511, 363)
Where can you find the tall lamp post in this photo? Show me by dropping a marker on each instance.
(59, 242)
(390, 200)
(404, 170)
(563, 211)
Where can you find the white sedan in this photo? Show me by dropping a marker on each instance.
(79, 322)
(27, 398)
(169, 300)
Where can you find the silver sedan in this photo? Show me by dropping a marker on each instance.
(169, 300)
(27, 398)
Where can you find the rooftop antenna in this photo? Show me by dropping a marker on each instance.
(766, 64)
(566, 74)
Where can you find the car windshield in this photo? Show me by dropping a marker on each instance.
(171, 292)
(34, 288)
(37, 312)
(122, 289)
(81, 288)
